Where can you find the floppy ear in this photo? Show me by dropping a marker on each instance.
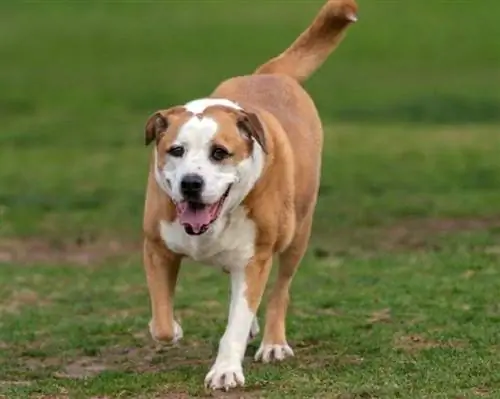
(155, 126)
(250, 124)
(158, 123)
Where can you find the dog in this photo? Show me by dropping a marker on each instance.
(233, 180)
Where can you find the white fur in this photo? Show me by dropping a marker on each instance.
(229, 242)
(198, 106)
(227, 371)
(268, 353)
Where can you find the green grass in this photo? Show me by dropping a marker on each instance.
(406, 325)
(406, 61)
(396, 298)
(398, 295)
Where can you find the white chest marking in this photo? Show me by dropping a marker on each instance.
(198, 106)
(229, 243)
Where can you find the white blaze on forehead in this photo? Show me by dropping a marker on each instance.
(202, 129)
(197, 132)
(200, 105)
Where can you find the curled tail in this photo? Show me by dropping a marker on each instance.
(314, 45)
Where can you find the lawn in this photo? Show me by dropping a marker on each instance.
(398, 294)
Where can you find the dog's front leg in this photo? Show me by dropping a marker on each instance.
(247, 287)
(162, 268)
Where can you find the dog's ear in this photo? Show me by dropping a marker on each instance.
(158, 123)
(155, 126)
(250, 124)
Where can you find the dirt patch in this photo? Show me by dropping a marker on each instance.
(420, 232)
(38, 362)
(77, 252)
(481, 391)
(416, 343)
(380, 316)
(19, 299)
(145, 358)
(235, 394)
(82, 368)
(405, 235)
(411, 234)
(171, 395)
(15, 383)
(56, 397)
(450, 225)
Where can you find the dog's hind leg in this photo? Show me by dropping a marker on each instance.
(274, 345)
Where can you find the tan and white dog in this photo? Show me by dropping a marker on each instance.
(233, 180)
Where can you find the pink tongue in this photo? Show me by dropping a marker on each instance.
(195, 218)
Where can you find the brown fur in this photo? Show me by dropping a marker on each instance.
(316, 43)
(237, 128)
(284, 120)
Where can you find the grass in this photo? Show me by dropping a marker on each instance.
(397, 297)
(411, 324)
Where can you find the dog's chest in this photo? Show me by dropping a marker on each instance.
(228, 244)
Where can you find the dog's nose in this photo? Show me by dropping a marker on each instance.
(191, 186)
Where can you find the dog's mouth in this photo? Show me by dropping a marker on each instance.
(196, 217)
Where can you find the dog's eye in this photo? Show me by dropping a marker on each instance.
(176, 151)
(219, 153)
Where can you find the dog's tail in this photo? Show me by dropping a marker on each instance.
(314, 45)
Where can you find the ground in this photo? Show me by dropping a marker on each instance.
(398, 294)
(386, 304)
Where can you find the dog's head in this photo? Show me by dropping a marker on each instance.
(206, 162)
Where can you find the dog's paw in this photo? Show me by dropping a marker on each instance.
(272, 352)
(254, 330)
(225, 375)
(164, 337)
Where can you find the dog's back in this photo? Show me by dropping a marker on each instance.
(276, 88)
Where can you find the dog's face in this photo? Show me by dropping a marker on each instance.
(208, 162)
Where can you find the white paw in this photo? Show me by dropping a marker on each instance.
(159, 337)
(270, 352)
(254, 330)
(225, 375)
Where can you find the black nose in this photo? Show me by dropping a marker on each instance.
(192, 186)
